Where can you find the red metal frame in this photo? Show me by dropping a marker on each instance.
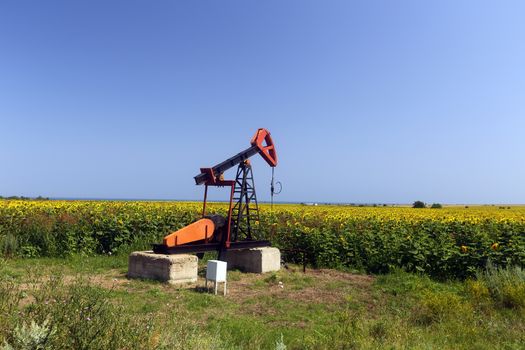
(212, 181)
(263, 141)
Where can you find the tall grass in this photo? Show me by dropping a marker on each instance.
(48, 313)
(54, 313)
(506, 286)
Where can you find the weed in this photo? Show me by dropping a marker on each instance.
(379, 331)
(279, 344)
(506, 286)
(477, 290)
(32, 337)
(272, 279)
(439, 307)
(8, 245)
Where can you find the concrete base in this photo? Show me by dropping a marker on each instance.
(257, 260)
(174, 269)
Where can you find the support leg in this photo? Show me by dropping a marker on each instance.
(225, 287)
(215, 286)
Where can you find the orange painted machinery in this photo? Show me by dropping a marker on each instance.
(239, 229)
(200, 230)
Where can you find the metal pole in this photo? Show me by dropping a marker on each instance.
(205, 198)
(229, 217)
(272, 189)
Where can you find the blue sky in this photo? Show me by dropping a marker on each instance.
(367, 101)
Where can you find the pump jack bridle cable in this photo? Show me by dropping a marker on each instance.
(272, 188)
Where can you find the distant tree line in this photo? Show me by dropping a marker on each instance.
(361, 205)
(23, 198)
(421, 204)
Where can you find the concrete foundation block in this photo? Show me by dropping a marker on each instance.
(174, 269)
(257, 260)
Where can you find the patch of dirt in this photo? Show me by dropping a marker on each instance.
(113, 279)
(317, 290)
(109, 279)
(355, 279)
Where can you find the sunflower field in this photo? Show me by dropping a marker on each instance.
(452, 242)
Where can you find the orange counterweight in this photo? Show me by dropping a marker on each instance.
(201, 230)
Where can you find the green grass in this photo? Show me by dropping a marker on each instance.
(322, 309)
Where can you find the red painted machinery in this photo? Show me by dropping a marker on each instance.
(239, 229)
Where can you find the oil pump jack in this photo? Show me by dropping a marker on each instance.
(239, 229)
